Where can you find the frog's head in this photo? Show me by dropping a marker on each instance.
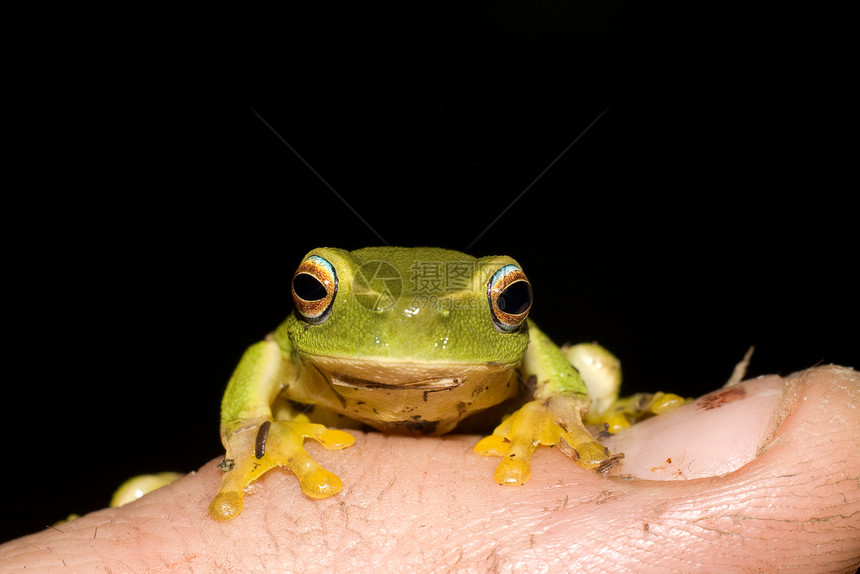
(446, 327)
(423, 307)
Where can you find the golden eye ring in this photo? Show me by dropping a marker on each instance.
(510, 295)
(314, 287)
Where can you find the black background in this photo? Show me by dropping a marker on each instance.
(155, 220)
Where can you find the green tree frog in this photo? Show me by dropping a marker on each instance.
(407, 340)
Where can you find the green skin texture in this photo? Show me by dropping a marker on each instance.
(355, 334)
(401, 358)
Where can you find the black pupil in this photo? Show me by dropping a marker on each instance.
(516, 298)
(308, 287)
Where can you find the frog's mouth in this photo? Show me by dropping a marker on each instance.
(427, 384)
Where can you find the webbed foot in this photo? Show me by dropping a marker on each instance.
(254, 450)
(552, 421)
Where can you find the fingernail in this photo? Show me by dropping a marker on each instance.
(710, 436)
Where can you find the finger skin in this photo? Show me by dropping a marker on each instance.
(426, 505)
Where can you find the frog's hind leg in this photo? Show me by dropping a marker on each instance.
(601, 372)
(629, 410)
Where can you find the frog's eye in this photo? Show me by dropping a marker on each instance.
(314, 288)
(510, 296)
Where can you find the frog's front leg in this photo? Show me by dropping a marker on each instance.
(256, 442)
(554, 417)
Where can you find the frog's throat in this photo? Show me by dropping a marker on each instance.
(398, 396)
